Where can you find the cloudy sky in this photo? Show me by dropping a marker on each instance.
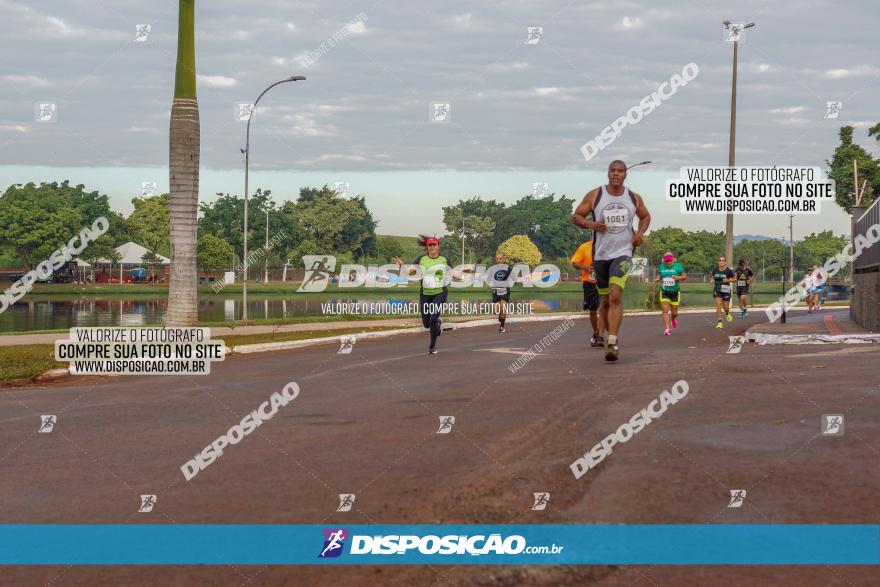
(518, 114)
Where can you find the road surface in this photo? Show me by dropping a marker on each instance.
(366, 423)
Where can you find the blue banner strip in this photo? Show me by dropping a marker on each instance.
(537, 544)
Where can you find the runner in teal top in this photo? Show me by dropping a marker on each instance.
(670, 274)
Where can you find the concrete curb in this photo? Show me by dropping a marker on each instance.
(244, 349)
(763, 339)
(294, 344)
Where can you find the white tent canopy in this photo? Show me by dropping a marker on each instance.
(132, 253)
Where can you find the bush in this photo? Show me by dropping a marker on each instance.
(519, 249)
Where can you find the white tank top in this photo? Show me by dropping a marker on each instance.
(617, 212)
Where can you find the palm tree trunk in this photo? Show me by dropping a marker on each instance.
(183, 168)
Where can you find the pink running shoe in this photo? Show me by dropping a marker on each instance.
(674, 323)
(667, 332)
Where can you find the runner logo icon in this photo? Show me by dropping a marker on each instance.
(147, 503)
(832, 424)
(346, 500)
(334, 542)
(737, 496)
(47, 423)
(541, 500)
(446, 423)
(318, 270)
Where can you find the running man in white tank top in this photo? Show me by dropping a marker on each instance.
(613, 208)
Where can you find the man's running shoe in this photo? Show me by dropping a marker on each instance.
(745, 312)
(667, 332)
(729, 317)
(612, 352)
(719, 325)
(597, 341)
(501, 329)
(432, 350)
(674, 323)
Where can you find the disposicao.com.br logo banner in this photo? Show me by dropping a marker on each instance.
(440, 544)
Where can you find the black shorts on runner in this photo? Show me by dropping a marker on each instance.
(742, 291)
(496, 298)
(725, 296)
(612, 271)
(670, 296)
(591, 296)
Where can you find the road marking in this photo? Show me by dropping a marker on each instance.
(830, 325)
(825, 353)
(508, 351)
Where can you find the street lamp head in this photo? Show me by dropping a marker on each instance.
(726, 23)
(750, 25)
(296, 78)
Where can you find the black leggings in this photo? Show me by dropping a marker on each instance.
(432, 320)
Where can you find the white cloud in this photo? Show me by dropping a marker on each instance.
(291, 26)
(30, 81)
(547, 91)
(217, 81)
(514, 66)
(356, 28)
(630, 24)
(463, 20)
(796, 121)
(857, 71)
(789, 110)
(14, 128)
(338, 157)
(760, 67)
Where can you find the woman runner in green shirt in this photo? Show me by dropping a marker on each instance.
(670, 273)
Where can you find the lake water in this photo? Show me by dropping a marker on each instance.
(62, 311)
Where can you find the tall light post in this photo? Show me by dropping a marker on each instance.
(247, 160)
(266, 258)
(735, 29)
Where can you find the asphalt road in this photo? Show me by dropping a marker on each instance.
(366, 423)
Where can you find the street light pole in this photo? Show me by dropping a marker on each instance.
(266, 257)
(731, 155)
(247, 160)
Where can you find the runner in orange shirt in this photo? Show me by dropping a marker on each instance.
(583, 260)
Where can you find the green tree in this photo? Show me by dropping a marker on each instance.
(37, 220)
(332, 222)
(100, 251)
(152, 262)
(388, 247)
(183, 167)
(304, 247)
(545, 220)
(520, 249)
(214, 253)
(475, 221)
(765, 257)
(150, 223)
(698, 251)
(224, 218)
(841, 168)
(822, 246)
